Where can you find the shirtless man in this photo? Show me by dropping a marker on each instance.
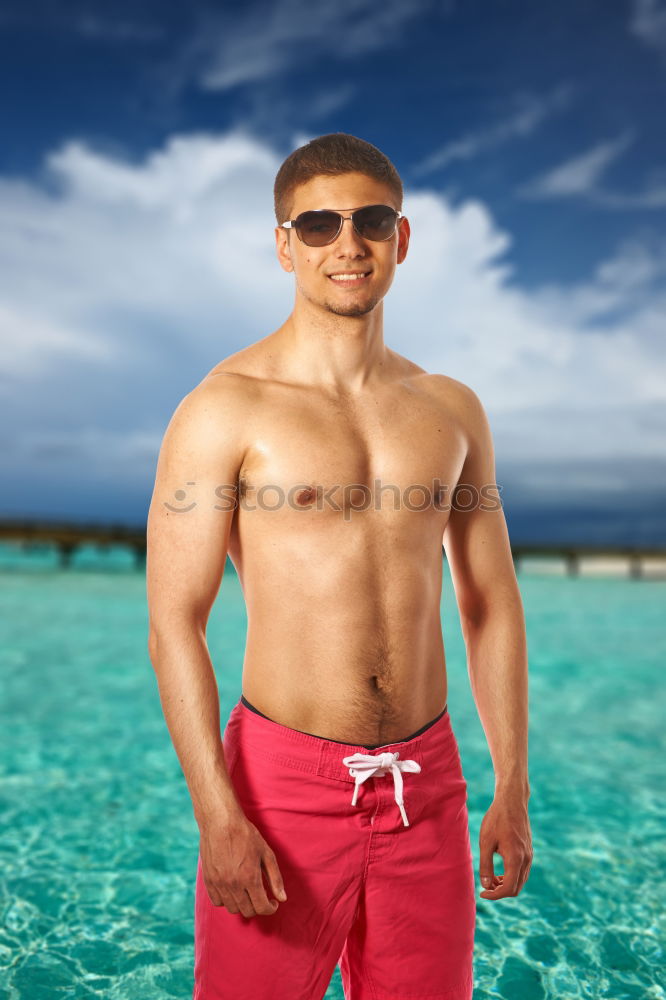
(332, 814)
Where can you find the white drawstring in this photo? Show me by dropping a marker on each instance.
(363, 765)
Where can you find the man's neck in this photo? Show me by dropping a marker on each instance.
(341, 353)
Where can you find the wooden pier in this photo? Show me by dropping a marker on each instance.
(66, 538)
(635, 562)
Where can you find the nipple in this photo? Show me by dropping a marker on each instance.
(307, 496)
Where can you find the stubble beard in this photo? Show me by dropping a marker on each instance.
(338, 309)
(359, 309)
(355, 307)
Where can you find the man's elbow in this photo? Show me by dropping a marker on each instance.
(179, 631)
(153, 647)
(473, 612)
(158, 640)
(499, 600)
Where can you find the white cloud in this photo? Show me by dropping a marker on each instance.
(653, 196)
(579, 175)
(29, 340)
(250, 44)
(529, 113)
(542, 353)
(186, 171)
(122, 283)
(648, 23)
(160, 237)
(327, 101)
(622, 284)
(101, 449)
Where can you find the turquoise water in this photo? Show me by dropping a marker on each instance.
(98, 844)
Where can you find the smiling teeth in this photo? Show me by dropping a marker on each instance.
(346, 277)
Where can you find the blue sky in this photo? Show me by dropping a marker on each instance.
(141, 141)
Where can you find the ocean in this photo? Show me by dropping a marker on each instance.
(98, 844)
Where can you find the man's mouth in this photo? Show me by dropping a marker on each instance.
(349, 278)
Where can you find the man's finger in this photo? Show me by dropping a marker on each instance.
(524, 875)
(486, 869)
(260, 901)
(245, 903)
(260, 893)
(274, 877)
(508, 885)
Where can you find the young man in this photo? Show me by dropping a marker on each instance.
(332, 814)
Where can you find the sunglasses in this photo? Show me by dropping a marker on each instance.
(372, 222)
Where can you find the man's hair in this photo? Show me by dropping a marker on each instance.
(335, 153)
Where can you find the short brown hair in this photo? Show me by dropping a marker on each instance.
(335, 153)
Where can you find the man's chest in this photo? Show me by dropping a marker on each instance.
(396, 450)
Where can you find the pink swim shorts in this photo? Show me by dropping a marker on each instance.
(374, 849)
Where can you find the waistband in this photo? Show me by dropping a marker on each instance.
(366, 746)
(431, 749)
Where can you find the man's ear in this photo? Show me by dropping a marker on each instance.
(283, 250)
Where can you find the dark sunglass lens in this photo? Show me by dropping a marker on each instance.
(376, 222)
(318, 228)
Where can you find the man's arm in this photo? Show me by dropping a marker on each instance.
(477, 547)
(189, 524)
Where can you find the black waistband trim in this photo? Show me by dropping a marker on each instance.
(345, 743)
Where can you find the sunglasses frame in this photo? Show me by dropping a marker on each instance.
(293, 223)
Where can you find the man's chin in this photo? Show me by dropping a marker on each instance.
(351, 310)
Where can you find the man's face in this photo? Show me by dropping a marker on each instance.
(313, 266)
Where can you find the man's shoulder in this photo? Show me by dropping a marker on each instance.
(212, 421)
(236, 368)
(452, 391)
(461, 405)
(242, 376)
(222, 398)
(233, 379)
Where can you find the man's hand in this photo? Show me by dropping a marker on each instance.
(233, 853)
(505, 830)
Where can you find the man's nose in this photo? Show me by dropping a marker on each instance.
(348, 234)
